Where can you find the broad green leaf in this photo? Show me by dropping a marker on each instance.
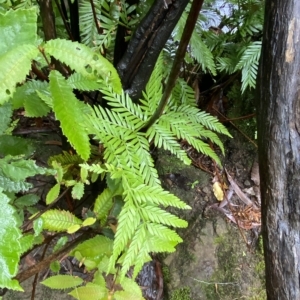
(18, 27)
(62, 281)
(14, 145)
(89, 292)
(53, 193)
(10, 247)
(79, 82)
(10, 185)
(67, 111)
(59, 220)
(89, 221)
(20, 169)
(14, 66)
(77, 190)
(26, 200)
(72, 229)
(94, 248)
(26, 242)
(5, 116)
(55, 266)
(84, 61)
(26, 96)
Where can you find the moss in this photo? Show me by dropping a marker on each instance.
(181, 294)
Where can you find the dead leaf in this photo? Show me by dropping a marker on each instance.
(255, 174)
(218, 192)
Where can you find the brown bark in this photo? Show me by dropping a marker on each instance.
(279, 147)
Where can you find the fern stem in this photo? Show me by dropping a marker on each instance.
(186, 36)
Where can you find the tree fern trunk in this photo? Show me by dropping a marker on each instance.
(279, 147)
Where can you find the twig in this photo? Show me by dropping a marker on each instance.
(64, 20)
(214, 283)
(186, 36)
(55, 256)
(95, 17)
(45, 209)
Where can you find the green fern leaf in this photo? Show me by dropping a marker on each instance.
(14, 66)
(164, 138)
(155, 194)
(202, 54)
(59, 220)
(157, 215)
(128, 222)
(62, 282)
(84, 61)
(131, 291)
(103, 204)
(67, 111)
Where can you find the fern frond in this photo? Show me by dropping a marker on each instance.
(156, 195)
(249, 65)
(203, 118)
(103, 204)
(183, 94)
(202, 54)
(154, 214)
(165, 138)
(153, 90)
(65, 159)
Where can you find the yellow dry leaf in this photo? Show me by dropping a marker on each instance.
(217, 189)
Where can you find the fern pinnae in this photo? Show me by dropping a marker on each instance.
(157, 215)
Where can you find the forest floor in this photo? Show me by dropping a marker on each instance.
(218, 259)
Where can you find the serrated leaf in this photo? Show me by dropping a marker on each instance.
(59, 220)
(18, 27)
(13, 145)
(10, 247)
(60, 243)
(84, 61)
(72, 229)
(55, 266)
(78, 190)
(14, 66)
(79, 82)
(62, 281)
(26, 200)
(89, 292)
(89, 221)
(53, 193)
(38, 226)
(5, 116)
(20, 169)
(67, 111)
(26, 96)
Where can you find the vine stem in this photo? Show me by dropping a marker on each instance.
(186, 36)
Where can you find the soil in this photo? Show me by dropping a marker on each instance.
(214, 261)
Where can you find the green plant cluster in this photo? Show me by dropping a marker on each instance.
(143, 223)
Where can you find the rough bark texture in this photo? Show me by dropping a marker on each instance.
(148, 40)
(279, 147)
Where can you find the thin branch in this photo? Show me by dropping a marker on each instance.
(66, 24)
(95, 17)
(180, 54)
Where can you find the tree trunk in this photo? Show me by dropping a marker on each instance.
(279, 147)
